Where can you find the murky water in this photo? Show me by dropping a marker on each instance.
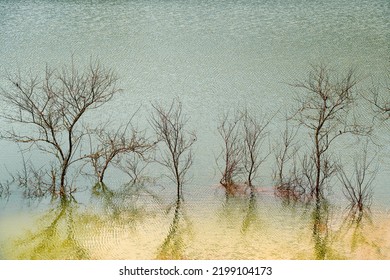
(214, 55)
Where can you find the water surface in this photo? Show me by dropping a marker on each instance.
(215, 56)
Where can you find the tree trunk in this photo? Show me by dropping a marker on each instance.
(318, 167)
(62, 181)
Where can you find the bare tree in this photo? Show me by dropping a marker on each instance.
(380, 98)
(176, 155)
(51, 110)
(34, 181)
(254, 135)
(357, 188)
(243, 140)
(232, 152)
(284, 153)
(114, 146)
(325, 111)
(308, 173)
(134, 164)
(290, 172)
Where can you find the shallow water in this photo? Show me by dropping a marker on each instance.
(245, 227)
(215, 56)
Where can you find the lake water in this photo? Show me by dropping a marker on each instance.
(214, 56)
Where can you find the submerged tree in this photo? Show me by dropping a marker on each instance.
(357, 227)
(325, 110)
(380, 98)
(254, 135)
(242, 154)
(51, 109)
(357, 187)
(169, 125)
(232, 152)
(135, 164)
(290, 174)
(114, 146)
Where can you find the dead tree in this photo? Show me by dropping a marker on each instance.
(284, 153)
(380, 98)
(112, 147)
(254, 135)
(357, 187)
(134, 164)
(176, 155)
(232, 151)
(50, 110)
(325, 111)
(288, 174)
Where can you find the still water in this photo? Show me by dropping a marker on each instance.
(214, 56)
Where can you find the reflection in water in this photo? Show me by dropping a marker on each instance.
(352, 237)
(251, 216)
(218, 59)
(355, 228)
(234, 205)
(321, 231)
(55, 237)
(126, 224)
(357, 221)
(69, 231)
(174, 244)
(125, 205)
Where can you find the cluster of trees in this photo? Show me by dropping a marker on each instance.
(49, 114)
(325, 112)
(244, 137)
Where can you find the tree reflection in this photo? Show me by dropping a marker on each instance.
(240, 210)
(323, 236)
(352, 238)
(251, 216)
(174, 244)
(354, 227)
(125, 205)
(321, 231)
(232, 205)
(55, 236)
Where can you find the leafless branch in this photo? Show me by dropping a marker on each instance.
(254, 136)
(176, 154)
(232, 152)
(50, 109)
(113, 147)
(357, 187)
(325, 111)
